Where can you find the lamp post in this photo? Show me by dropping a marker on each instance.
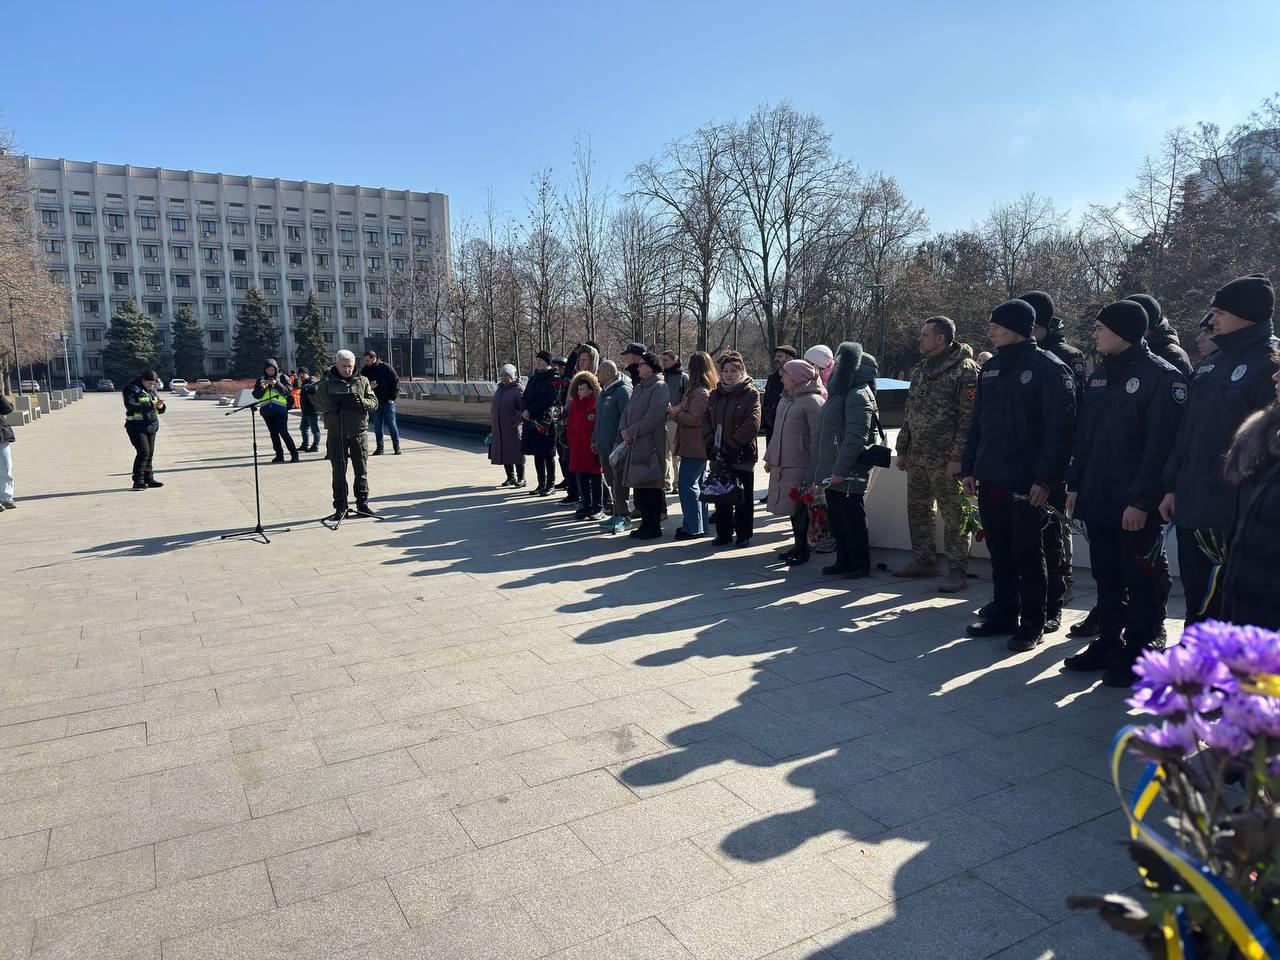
(877, 307)
(13, 329)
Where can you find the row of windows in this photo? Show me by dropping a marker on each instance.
(92, 310)
(236, 228)
(213, 283)
(234, 208)
(212, 256)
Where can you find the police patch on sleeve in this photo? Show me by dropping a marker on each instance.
(1239, 372)
(1179, 392)
(970, 391)
(1025, 376)
(1133, 385)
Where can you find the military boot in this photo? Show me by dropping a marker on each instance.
(953, 582)
(915, 570)
(1097, 656)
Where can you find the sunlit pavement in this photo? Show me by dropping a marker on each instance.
(477, 728)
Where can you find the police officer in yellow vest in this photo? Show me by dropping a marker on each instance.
(274, 392)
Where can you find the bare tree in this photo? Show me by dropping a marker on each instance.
(587, 221)
(1010, 231)
(688, 183)
(638, 254)
(544, 260)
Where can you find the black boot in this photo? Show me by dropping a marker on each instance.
(364, 510)
(1097, 656)
(1052, 621)
(993, 627)
(1024, 639)
(152, 482)
(139, 485)
(1119, 672)
(1088, 627)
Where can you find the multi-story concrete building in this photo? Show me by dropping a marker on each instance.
(168, 238)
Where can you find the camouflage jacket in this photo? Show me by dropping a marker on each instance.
(939, 405)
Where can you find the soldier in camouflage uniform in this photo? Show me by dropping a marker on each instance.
(930, 444)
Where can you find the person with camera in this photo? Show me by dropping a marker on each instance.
(273, 390)
(846, 428)
(142, 409)
(729, 430)
(346, 399)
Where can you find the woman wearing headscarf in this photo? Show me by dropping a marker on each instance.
(786, 459)
(845, 429)
(504, 427)
(1253, 557)
(142, 409)
(690, 448)
(584, 465)
(644, 430)
(729, 432)
(538, 436)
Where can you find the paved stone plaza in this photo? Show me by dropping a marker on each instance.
(477, 729)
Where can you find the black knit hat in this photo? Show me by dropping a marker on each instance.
(651, 360)
(1152, 307)
(1042, 304)
(1016, 315)
(544, 356)
(1126, 319)
(787, 348)
(1249, 298)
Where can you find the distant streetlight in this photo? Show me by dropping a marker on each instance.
(877, 309)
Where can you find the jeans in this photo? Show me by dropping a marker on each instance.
(310, 428)
(277, 420)
(689, 483)
(145, 445)
(6, 473)
(1014, 539)
(385, 415)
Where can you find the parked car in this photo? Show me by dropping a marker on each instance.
(30, 386)
(76, 385)
(202, 382)
(177, 384)
(106, 386)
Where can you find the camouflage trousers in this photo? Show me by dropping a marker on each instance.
(927, 483)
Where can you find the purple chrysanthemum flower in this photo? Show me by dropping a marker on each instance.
(1260, 716)
(1172, 736)
(1226, 735)
(1186, 678)
(1244, 650)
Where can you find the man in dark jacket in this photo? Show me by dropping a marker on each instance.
(274, 392)
(773, 387)
(1016, 452)
(631, 355)
(386, 384)
(537, 409)
(1162, 339)
(346, 399)
(1057, 539)
(310, 416)
(1226, 389)
(1132, 406)
(142, 409)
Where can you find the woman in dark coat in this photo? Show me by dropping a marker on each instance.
(504, 427)
(845, 429)
(729, 430)
(538, 439)
(1248, 586)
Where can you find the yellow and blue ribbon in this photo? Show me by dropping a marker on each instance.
(1252, 937)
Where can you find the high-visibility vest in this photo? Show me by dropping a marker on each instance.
(274, 395)
(146, 400)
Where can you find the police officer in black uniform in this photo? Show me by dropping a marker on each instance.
(1128, 421)
(1057, 540)
(1226, 388)
(1162, 339)
(1016, 452)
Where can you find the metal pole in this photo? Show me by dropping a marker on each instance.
(66, 361)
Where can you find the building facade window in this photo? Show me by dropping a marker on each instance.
(217, 336)
(239, 256)
(151, 252)
(322, 261)
(266, 231)
(86, 249)
(182, 281)
(118, 251)
(115, 221)
(49, 218)
(268, 258)
(53, 246)
(295, 234)
(237, 228)
(147, 222)
(270, 285)
(92, 308)
(209, 228)
(346, 236)
(213, 284)
(295, 260)
(178, 224)
(84, 218)
(320, 234)
(181, 254)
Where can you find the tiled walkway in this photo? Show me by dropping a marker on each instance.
(474, 728)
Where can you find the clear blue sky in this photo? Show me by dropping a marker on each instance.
(965, 103)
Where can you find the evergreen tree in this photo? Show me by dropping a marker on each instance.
(313, 352)
(257, 338)
(188, 345)
(131, 345)
(164, 359)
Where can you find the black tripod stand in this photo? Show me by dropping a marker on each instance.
(258, 530)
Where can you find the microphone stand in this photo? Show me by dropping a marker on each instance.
(258, 530)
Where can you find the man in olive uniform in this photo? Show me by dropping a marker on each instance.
(1227, 387)
(346, 399)
(930, 447)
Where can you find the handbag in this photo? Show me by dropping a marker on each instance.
(722, 488)
(618, 454)
(876, 454)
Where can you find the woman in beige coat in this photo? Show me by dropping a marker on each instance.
(644, 430)
(786, 459)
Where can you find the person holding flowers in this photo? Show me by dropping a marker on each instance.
(786, 458)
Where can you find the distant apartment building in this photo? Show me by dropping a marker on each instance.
(169, 238)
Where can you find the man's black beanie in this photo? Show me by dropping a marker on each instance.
(1152, 307)
(1126, 319)
(1249, 298)
(1016, 315)
(1042, 303)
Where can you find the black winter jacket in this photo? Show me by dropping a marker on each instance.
(1069, 355)
(539, 435)
(769, 404)
(142, 408)
(6, 408)
(1128, 421)
(1023, 419)
(1248, 587)
(1164, 343)
(1227, 387)
(307, 396)
(385, 380)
